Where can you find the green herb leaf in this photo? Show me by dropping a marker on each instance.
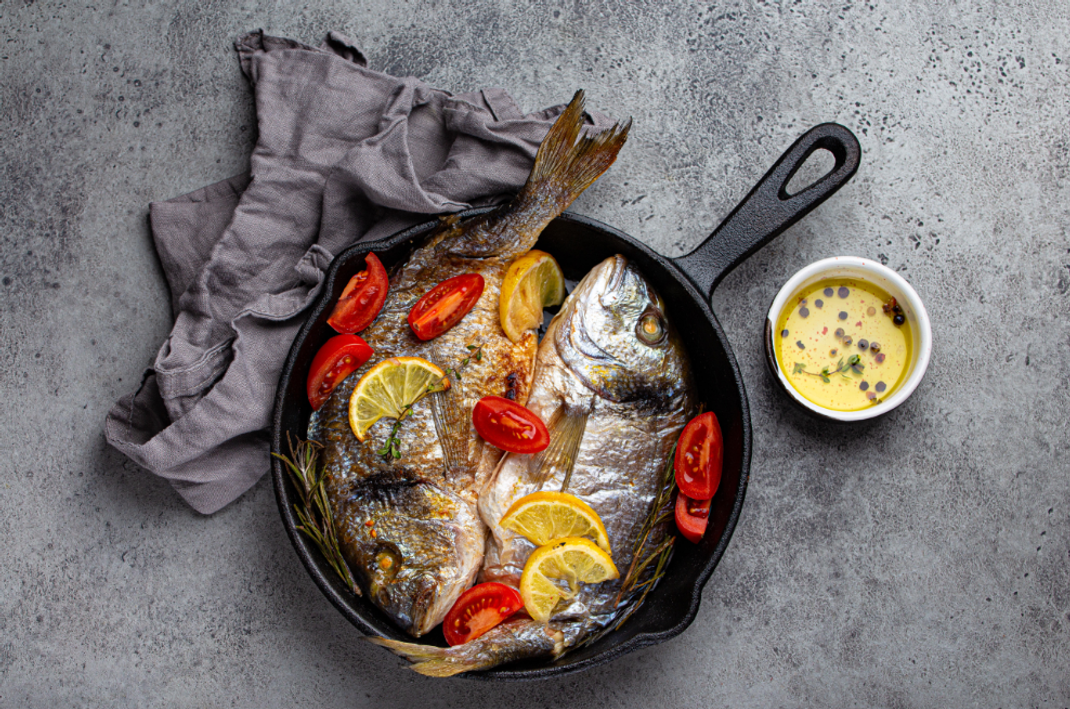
(313, 508)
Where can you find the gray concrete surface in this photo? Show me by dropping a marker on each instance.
(922, 561)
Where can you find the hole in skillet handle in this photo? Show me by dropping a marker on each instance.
(769, 209)
(819, 164)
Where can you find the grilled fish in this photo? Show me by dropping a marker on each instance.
(409, 528)
(614, 381)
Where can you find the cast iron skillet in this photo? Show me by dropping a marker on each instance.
(686, 284)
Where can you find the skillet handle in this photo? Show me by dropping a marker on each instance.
(768, 210)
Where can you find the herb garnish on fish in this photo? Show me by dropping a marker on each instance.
(314, 513)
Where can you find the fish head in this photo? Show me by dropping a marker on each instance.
(415, 546)
(613, 334)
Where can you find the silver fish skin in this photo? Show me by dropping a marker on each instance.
(614, 381)
(409, 528)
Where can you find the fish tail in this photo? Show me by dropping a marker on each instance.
(567, 164)
(511, 641)
(428, 660)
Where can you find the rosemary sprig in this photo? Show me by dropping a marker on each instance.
(853, 364)
(642, 559)
(661, 511)
(314, 509)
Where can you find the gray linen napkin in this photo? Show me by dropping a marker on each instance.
(344, 154)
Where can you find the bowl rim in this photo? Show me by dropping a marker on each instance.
(872, 271)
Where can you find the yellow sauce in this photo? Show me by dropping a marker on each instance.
(824, 327)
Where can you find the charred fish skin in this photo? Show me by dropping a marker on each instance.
(615, 381)
(429, 535)
(408, 538)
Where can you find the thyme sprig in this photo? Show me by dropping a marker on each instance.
(853, 364)
(314, 509)
(476, 354)
(392, 448)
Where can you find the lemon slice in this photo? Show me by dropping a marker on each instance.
(532, 282)
(572, 559)
(545, 516)
(389, 388)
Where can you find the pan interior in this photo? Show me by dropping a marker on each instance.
(578, 244)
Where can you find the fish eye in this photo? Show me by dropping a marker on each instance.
(650, 329)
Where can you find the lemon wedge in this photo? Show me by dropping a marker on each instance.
(572, 559)
(545, 516)
(391, 387)
(532, 282)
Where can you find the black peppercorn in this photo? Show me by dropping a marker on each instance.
(863, 344)
(874, 347)
(899, 319)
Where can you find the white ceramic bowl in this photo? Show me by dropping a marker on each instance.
(885, 279)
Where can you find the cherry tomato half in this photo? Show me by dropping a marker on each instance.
(698, 457)
(443, 306)
(362, 298)
(692, 516)
(335, 361)
(479, 609)
(509, 426)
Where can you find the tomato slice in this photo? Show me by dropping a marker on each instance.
(479, 609)
(443, 306)
(509, 426)
(692, 516)
(362, 298)
(335, 361)
(698, 457)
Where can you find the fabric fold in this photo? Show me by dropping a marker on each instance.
(344, 154)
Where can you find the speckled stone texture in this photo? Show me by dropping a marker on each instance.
(919, 561)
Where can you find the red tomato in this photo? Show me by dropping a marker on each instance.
(443, 306)
(362, 298)
(698, 457)
(479, 609)
(692, 516)
(509, 426)
(335, 361)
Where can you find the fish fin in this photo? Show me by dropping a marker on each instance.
(510, 641)
(451, 425)
(567, 164)
(566, 433)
